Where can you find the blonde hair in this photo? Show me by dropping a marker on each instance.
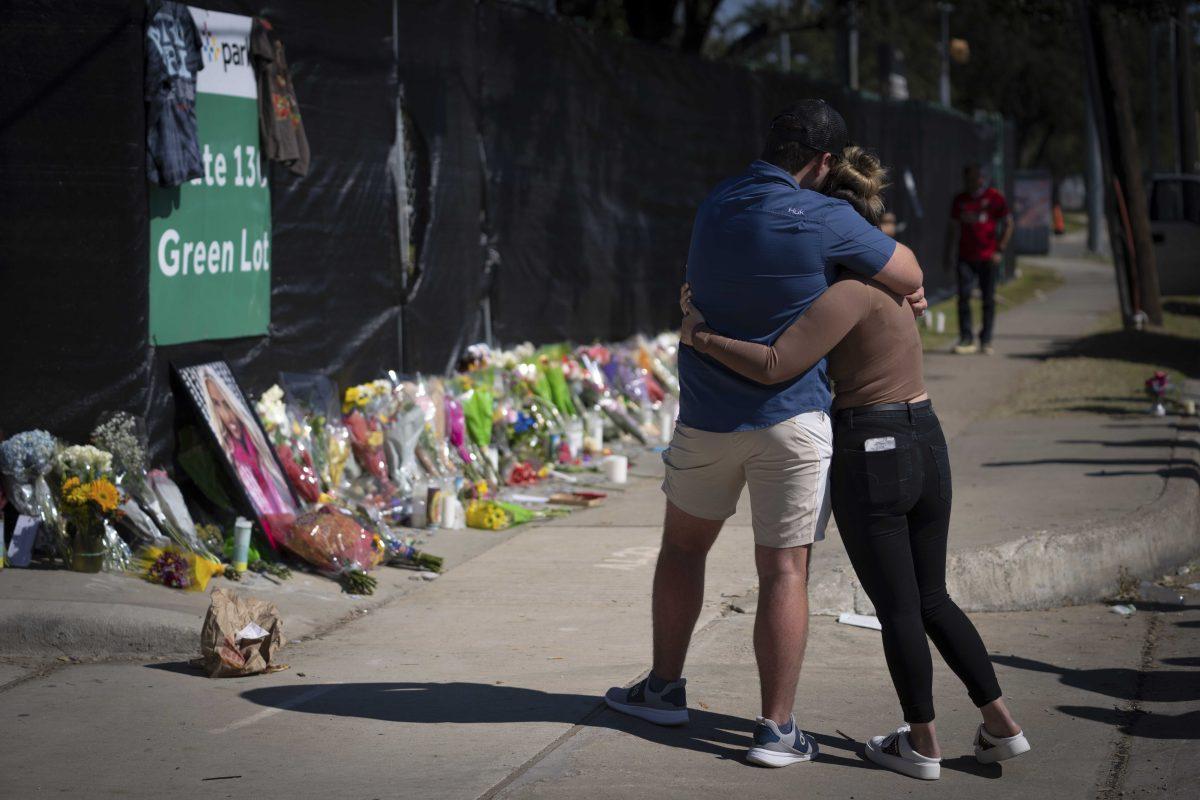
(859, 178)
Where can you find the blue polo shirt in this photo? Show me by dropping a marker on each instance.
(762, 251)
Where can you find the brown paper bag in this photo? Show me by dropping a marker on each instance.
(225, 654)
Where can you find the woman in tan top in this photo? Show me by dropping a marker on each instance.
(890, 481)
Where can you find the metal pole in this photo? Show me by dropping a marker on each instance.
(944, 83)
(1094, 175)
(852, 45)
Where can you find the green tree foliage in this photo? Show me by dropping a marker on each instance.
(1026, 56)
(1026, 59)
(680, 24)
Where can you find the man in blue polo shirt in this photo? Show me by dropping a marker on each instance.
(765, 245)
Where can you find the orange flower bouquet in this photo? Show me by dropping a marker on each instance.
(89, 498)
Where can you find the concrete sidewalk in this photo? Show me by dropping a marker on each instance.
(1106, 703)
(488, 684)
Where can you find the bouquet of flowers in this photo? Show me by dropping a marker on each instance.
(334, 542)
(125, 437)
(560, 391)
(596, 391)
(472, 464)
(432, 450)
(177, 568)
(659, 357)
(90, 498)
(496, 515)
(1157, 386)
(367, 409)
(403, 436)
(165, 504)
(405, 554)
(25, 460)
(292, 444)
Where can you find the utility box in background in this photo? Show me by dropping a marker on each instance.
(1031, 203)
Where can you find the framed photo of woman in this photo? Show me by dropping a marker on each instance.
(219, 402)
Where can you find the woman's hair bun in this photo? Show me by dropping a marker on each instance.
(859, 178)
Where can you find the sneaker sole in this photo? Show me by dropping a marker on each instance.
(659, 716)
(924, 772)
(774, 758)
(1002, 752)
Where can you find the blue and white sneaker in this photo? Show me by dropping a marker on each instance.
(774, 748)
(652, 699)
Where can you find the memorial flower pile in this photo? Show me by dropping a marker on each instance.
(368, 464)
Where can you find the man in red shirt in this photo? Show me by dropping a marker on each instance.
(976, 212)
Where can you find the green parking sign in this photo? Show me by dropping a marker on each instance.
(210, 239)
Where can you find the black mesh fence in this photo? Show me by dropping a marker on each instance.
(576, 160)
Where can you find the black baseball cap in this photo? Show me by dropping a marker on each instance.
(814, 124)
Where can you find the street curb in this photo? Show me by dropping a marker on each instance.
(99, 634)
(1071, 567)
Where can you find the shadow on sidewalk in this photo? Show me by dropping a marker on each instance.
(1144, 686)
(1143, 724)
(1156, 686)
(1174, 353)
(1162, 467)
(720, 735)
(1163, 443)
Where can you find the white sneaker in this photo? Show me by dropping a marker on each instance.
(895, 752)
(990, 749)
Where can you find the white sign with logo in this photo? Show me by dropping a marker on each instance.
(225, 48)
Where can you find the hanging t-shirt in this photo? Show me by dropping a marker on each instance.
(279, 122)
(172, 63)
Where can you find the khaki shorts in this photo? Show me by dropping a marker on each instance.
(786, 467)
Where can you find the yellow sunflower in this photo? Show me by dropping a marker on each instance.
(74, 492)
(104, 494)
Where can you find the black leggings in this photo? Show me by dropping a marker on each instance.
(891, 499)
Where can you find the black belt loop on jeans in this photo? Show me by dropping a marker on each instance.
(911, 408)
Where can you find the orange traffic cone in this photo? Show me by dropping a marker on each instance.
(1060, 227)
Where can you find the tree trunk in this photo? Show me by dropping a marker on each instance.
(1126, 156)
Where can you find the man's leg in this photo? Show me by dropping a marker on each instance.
(787, 477)
(781, 626)
(704, 474)
(987, 287)
(966, 282)
(679, 587)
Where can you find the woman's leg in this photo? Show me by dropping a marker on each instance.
(878, 545)
(951, 631)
